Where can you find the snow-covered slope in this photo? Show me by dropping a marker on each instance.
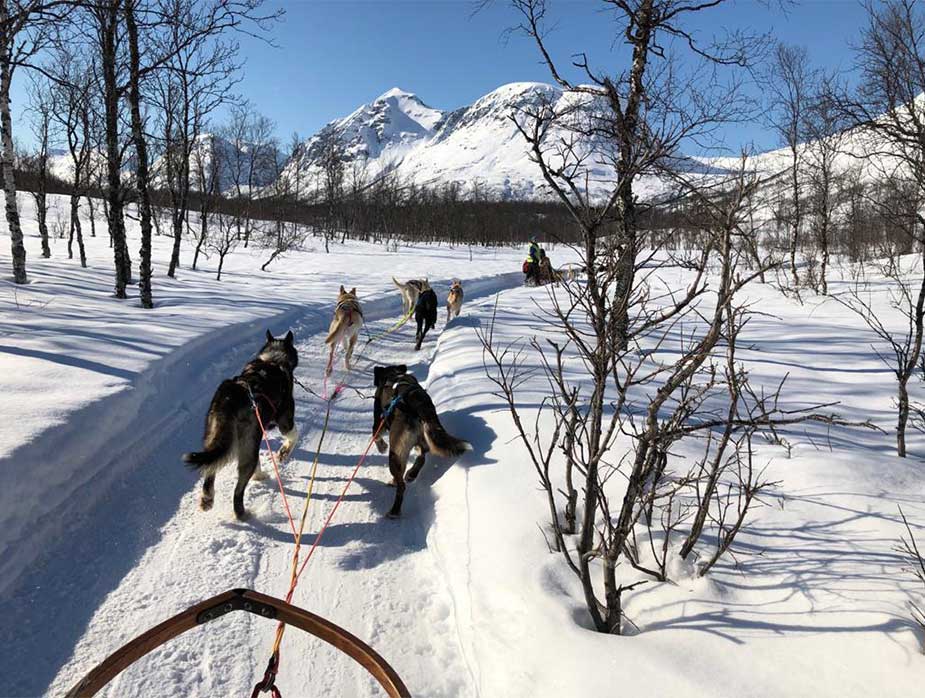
(377, 137)
(61, 165)
(238, 165)
(861, 152)
(477, 147)
(480, 147)
(101, 536)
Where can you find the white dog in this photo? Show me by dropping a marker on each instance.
(410, 290)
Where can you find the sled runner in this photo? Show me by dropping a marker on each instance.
(252, 602)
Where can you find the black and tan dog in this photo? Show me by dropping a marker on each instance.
(425, 313)
(412, 422)
(232, 431)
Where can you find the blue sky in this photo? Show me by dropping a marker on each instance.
(333, 56)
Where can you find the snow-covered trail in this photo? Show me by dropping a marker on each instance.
(146, 551)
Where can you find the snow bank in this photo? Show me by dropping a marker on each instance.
(92, 382)
(817, 603)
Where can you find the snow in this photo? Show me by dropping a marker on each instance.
(818, 604)
(76, 345)
(475, 147)
(102, 537)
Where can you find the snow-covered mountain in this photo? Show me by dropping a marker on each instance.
(238, 165)
(475, 147)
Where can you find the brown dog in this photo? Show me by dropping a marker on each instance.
(345, 327)
(454, 300)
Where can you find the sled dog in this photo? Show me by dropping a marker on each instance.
(410, 290)
(425, 313)
(232, 430)
(345, 327)
(454, 300)
(412, 422)
(570, 273)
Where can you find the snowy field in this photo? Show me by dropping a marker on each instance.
(102, 536)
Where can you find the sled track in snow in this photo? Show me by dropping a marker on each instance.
(112, 500)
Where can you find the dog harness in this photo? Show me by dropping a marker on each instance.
(398, 398)
(350, 307)
(391, 407)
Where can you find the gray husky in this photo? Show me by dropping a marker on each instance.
(232, 431)
(412, 422)
(410, 290)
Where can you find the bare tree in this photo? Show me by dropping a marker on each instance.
(41, 109)
(826, 132)
(251, 153)
(331, 162)
(104, 27)
(906, 296)
(73, 113)
(139, 140)
(23, 33)
(286, 235)
(701, 394)
(135, 41)
(908, 547)
(208, 165)
(225, 240)
(888, 108)
(789, 85)
(196, 80)
(636, 120)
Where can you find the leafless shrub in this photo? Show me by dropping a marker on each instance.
(225, 240)
(909, 549)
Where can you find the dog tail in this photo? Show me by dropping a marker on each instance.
(205, 459)
(334, 329)
(219, 431)
(397, 282)
(441, 442)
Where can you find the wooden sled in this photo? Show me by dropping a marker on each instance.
(252, 602)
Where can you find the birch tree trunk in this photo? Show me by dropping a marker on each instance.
(108, 17)
(141, 151)
(6, 149)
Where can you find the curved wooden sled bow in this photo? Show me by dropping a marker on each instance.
(252, 602)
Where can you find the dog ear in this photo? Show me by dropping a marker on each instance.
(289, 338)
(353, 291)
(342, 289)
(402, 369)
(377, 375)
(269, 336)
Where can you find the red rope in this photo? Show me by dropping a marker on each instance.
(268, 683)
(340, 499)
(279, 480)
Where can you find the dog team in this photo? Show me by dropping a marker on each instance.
(261, 397)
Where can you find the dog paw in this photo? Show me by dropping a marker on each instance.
(393, 515)
(259, 474)
(381, 446)
(410, 478)
(284, 452)
(243, 515)
(205, 504)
